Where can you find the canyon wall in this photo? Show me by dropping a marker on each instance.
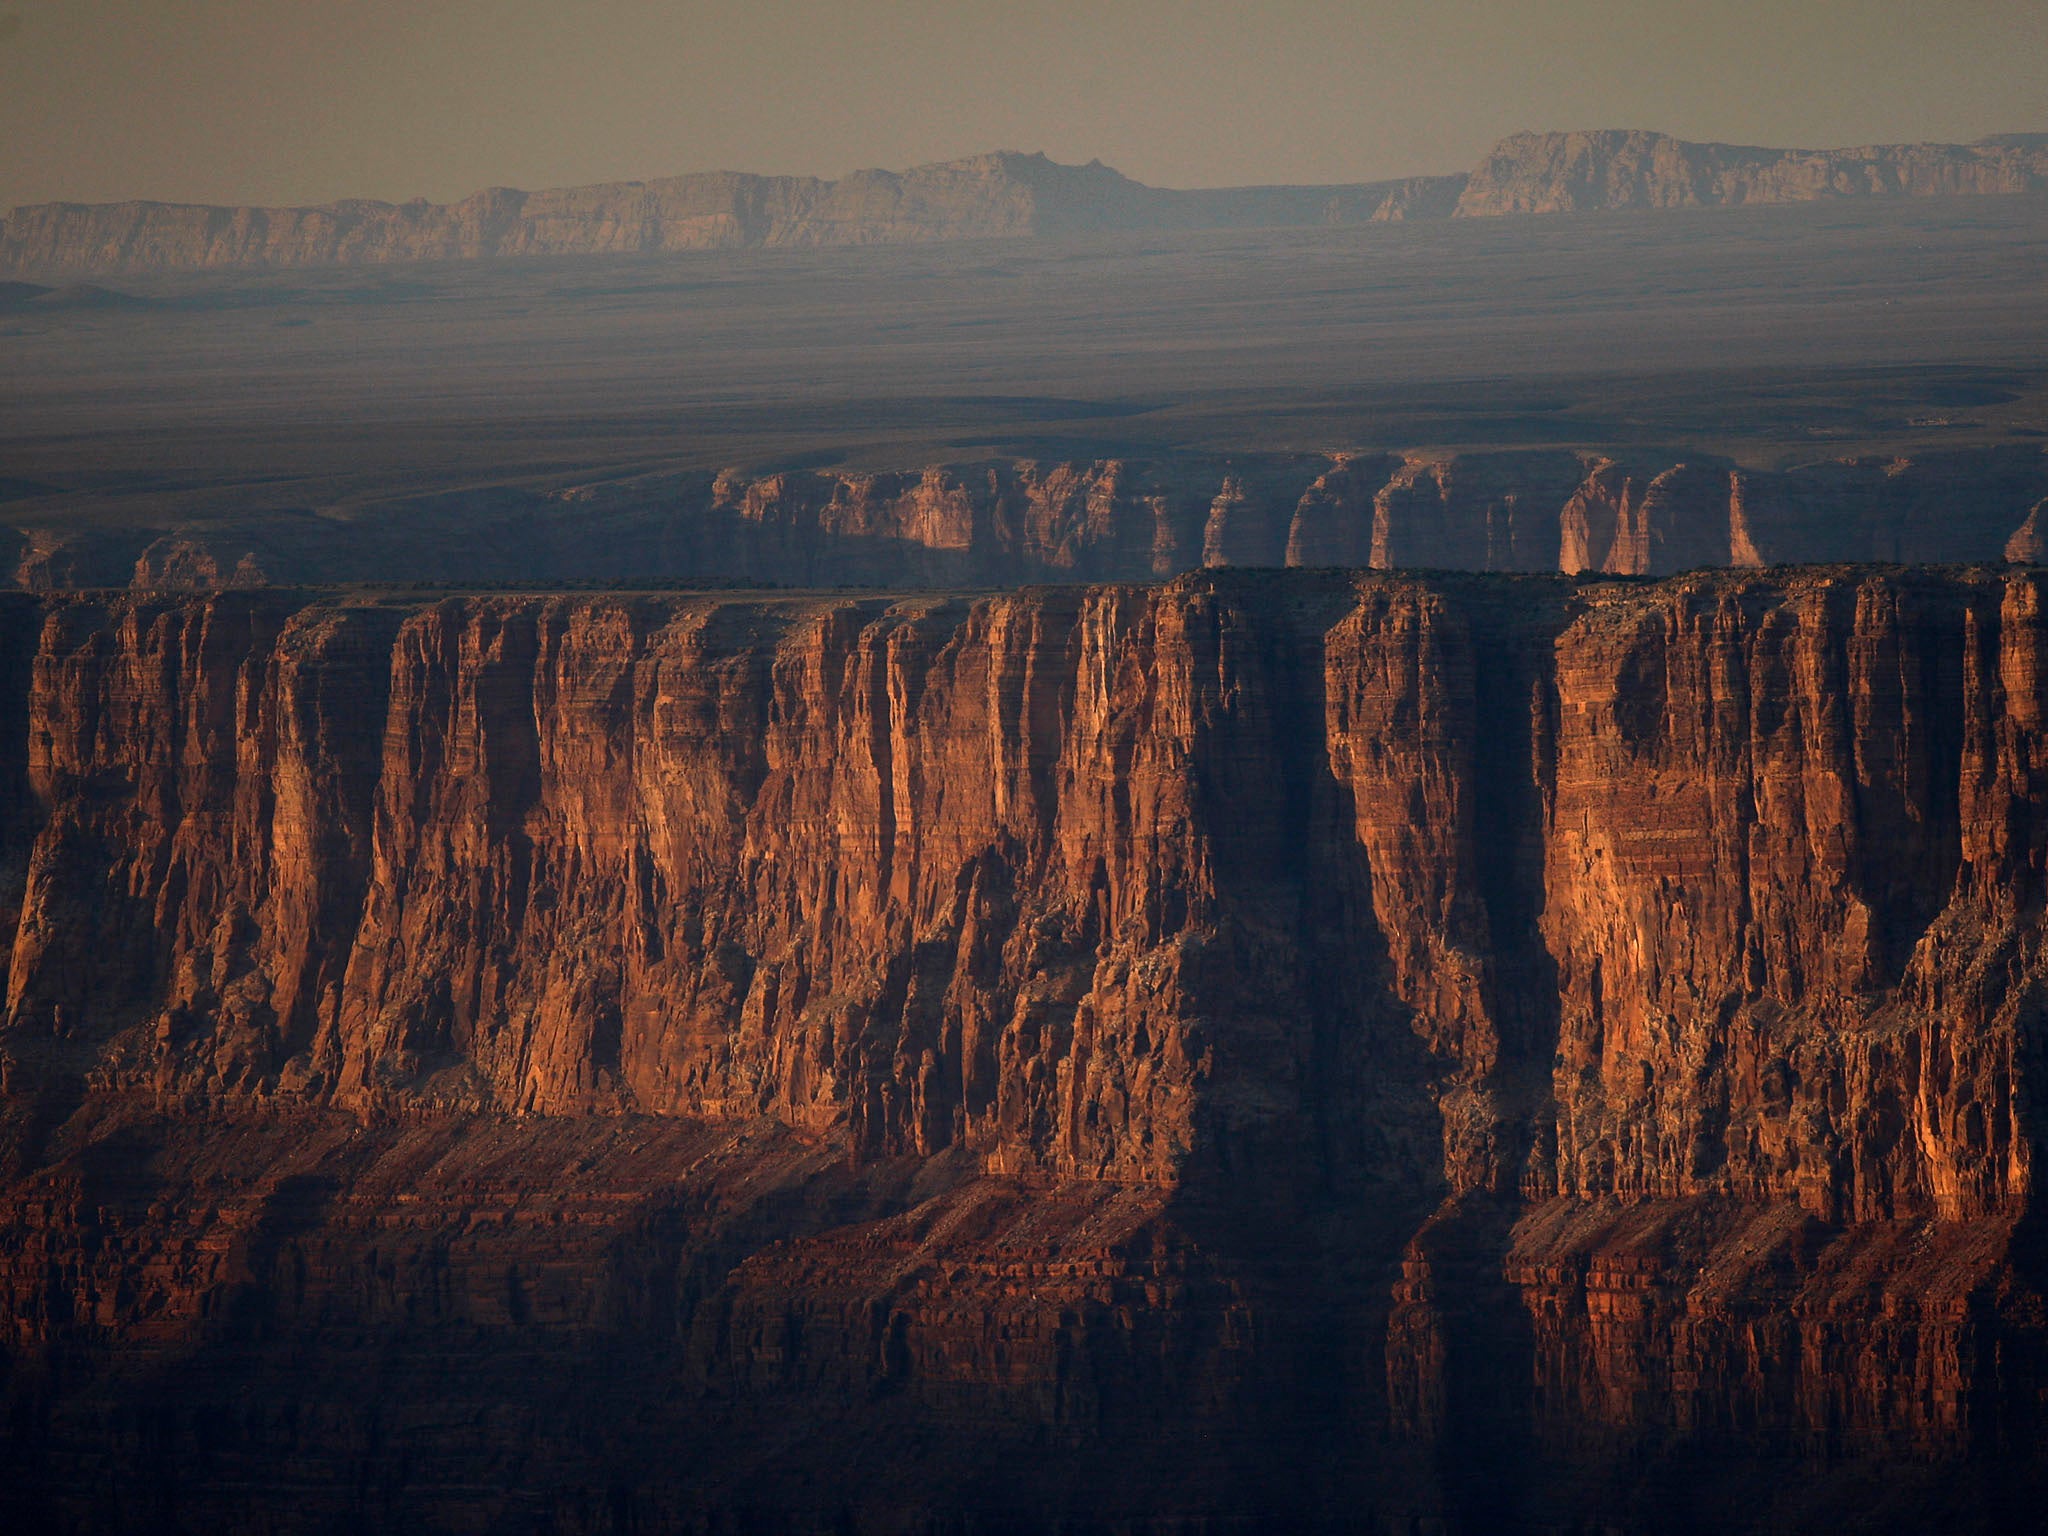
(990, 196)
(1008, 522)
(1463, 1053)
(1617, 169)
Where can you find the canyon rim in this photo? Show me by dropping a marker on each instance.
(1347, 835)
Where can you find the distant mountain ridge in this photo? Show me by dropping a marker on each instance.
(999, 195)
(1616, 169)
(987, 196)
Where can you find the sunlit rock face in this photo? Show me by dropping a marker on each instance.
(1009, 522)
(1314, 1047)
(1615, 169)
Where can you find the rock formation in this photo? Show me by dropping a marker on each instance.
(1007, 522)
(1312, 1048)
(1618, 169)
(990, 196)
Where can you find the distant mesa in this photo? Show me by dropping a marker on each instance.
(1612, 170)
(991, 196)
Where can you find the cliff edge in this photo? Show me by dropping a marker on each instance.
(1502, 1052)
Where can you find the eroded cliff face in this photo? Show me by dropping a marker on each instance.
(1478, 1049)
(1008, 522)
(990, 196)
(1615, 169)
(1003, 195)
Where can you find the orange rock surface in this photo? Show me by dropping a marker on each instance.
(1322, 1048)
(1006, 522)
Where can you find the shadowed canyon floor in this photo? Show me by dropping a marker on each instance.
(1339, 1051)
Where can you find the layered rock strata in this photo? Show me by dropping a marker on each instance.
(1453, 1053)
(1007, 522)
(1616, 169)
(991, 196)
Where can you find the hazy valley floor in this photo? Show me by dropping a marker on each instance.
(336, 401)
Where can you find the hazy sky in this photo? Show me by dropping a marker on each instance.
(305, 100)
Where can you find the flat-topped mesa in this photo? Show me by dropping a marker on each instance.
(993, 196)
(1004, 195)
(1615, 169)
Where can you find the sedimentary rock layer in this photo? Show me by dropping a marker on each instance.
(987, 196)
(1630, 169)
(1008, 522)
(983, 197)
(1308, 1047)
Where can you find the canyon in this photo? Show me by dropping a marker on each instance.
(1230, 863)
(1008, 522)
(991, 196)
(1270, 1048)
(1848, 380)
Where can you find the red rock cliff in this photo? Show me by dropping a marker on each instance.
(1476, 1045)
(1006, 522)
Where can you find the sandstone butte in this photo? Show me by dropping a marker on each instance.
(1307, 1050)
(989, 196)
(1010, 521)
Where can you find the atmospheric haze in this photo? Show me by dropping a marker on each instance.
(993, 850)
(263, 101)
